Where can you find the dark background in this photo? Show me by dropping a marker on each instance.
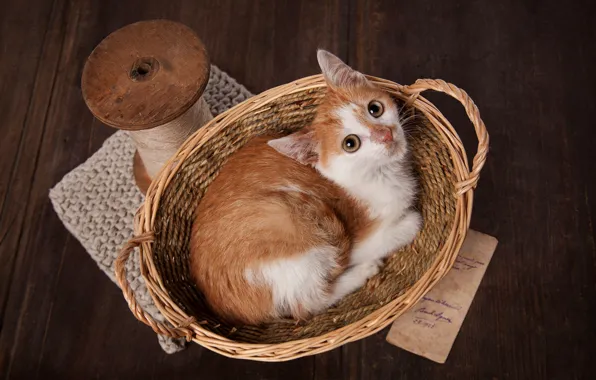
(529, 65)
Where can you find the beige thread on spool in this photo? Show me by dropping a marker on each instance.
(148, 78)
(157, 145)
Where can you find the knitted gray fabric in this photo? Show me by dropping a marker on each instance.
(97, 200)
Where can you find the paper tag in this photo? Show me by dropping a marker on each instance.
(429, 328)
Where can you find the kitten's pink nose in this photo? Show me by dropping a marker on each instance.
(381, 135)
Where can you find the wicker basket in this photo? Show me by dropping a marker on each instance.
(163, 225)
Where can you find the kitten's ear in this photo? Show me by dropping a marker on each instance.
(301, 146)
(337, 73)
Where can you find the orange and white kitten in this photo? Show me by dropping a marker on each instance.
(292, 224)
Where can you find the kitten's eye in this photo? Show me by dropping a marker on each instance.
(351, 143)
(375, 108)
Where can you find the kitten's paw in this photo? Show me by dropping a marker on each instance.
(354, 278)
(410, 225)
(368, 269)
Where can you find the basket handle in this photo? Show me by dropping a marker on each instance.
(473, 114)
(120, 269)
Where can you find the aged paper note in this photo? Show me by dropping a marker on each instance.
(430, 327)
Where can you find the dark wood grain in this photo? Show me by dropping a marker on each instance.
(24, 41)
(529, 67)
(31, 49)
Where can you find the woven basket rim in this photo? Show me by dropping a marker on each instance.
(183, 325)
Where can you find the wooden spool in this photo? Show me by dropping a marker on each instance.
(145, 75)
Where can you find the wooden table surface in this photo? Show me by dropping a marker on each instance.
(530, 67)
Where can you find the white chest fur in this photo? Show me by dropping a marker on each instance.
(388, 192)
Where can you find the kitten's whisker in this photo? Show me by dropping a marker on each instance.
(410, 117)
(410, 123)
